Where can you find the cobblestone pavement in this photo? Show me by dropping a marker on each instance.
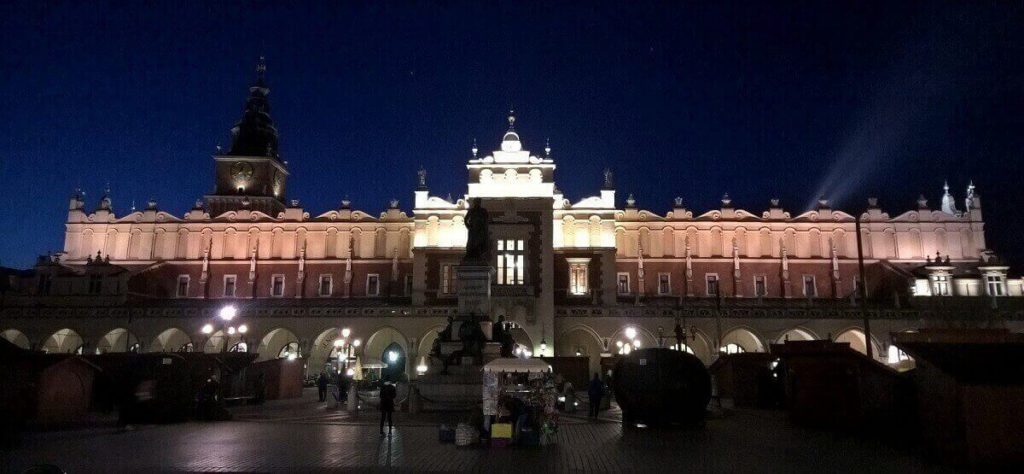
(303, 436)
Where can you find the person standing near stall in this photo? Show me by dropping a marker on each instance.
(387, 405)
(321, 385)
(595, 391)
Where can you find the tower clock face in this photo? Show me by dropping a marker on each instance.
(241, 171)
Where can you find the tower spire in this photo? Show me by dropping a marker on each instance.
(261, 70)
(255, 134)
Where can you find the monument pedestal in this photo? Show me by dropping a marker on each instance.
(473, 283)
(461, 384)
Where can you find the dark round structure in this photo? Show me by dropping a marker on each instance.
(661, 386)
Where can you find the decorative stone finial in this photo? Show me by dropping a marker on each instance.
(873, 202)
(678, 201)
(199, 204)
(775, 202)
(948, 201)
(922, 202)
(346, 203)
(393, 203)
(474, 149)
(511, 119)
(294, 203)
(151, 204)
(609, 179)
(726, 200)
(969, 200)
(823, 203)
(421, 179)
(547, 147)
(630, 201)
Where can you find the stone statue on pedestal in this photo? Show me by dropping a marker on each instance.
(478, 245)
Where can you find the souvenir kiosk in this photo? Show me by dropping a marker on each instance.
(519, 402)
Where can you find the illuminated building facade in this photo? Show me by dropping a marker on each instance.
(573, 275)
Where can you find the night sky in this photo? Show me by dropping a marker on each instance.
(760, 100)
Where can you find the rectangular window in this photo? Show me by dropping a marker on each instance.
(664, 284)
(229, 286)
(760, 286)
(995, 284)
(447, 279)
(622, 280)
(578, 277)
(326, 286)
(373, 284)
(277, 286)
(182, 290)
(941, 285)
(711, 279)
(511, 262)
(810, 287)
(96, 285)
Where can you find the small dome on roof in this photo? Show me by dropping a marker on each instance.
(510, 142)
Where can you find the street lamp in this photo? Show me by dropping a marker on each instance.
(224, 317)
(345, 348)
(630, 344)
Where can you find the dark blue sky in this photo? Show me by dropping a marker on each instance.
(758, 100)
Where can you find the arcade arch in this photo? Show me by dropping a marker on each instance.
(796, 334)
(215, 342)
(855, 337)
(118, 340)
(17, 338)
(322, 350)
(275, 341)
(427, 341)
(172, 340)
(741, 340)
(64, 341)
(581, 341)
(385, 340)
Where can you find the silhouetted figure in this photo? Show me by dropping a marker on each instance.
(387, 405)
(595, 392)
(478, 239)
(321, 386)
(502, 335)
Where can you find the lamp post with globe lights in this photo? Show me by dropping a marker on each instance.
(630, 343)
(223, 322)
(345, 346)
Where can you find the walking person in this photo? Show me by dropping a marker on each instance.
(321, 386)
(596, 392)
(387, 405)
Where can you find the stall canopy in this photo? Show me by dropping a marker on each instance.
(512, 365)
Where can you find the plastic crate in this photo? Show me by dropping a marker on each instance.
(501, 430)
(446, 434)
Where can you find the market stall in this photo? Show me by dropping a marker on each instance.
(519, 396)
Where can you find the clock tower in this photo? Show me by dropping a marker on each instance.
(251, 174)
